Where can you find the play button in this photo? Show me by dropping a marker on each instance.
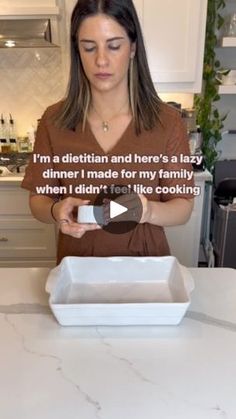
(116, 209)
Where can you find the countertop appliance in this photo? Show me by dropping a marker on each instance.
(224, 208)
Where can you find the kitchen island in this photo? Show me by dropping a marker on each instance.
(167, 372)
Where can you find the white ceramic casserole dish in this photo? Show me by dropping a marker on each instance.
(119, 291)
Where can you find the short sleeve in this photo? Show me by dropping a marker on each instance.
(37, 178)
(177, 177)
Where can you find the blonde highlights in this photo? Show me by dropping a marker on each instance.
(131, 86)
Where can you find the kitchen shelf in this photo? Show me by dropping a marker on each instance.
(227, 89)
(228, 41)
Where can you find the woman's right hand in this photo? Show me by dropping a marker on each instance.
(63, 212)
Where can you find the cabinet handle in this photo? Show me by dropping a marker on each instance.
(3, 239)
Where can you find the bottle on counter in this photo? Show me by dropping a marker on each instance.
(198, 138)
(4, 144)
(13, 145)
(23, 144)
(2, 129)
(31, 137)
(12, 134)
(195, 140)
(189, 117)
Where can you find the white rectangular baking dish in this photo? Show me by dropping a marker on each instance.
(119, 291)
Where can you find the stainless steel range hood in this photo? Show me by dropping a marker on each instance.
(25, 33)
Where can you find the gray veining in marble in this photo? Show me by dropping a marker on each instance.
(177, 372)
(59, 368)
(42, 309)
(22, 308)
(164, 395)
(205, 318)
(109, 350)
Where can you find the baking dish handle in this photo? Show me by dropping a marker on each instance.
(188, 279)
(52, 280)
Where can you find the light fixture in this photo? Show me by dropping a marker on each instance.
(9, 43)
(37, 56)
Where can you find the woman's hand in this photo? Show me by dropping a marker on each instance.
(146, 209)
(65, 211)
(173, 212)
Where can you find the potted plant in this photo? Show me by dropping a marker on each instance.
(208, 116)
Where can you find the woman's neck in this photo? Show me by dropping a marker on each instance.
(106, 104)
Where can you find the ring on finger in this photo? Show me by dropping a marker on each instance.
(63, 221)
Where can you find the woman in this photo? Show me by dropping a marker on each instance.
(111, 108)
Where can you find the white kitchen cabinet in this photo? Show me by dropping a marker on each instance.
(27, 7)
(26, 3)
(174, 33)
(24, 241)
(184, 240)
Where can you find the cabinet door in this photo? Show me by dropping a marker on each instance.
(14, 201)
(174, 33)
(28, 8)
(184, 240)
(27, 3)
(21, 236)
(26, 238)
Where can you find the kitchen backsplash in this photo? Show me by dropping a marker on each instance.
(30, 81)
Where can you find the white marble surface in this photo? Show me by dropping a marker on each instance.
(167, 372)
(14, 179)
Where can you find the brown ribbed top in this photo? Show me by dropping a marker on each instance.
(168, 138)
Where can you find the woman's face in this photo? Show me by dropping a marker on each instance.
(105, 51)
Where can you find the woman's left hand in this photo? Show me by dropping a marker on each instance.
(146, 209)
(176, 211)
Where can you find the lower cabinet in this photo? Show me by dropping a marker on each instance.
(24, 241)
(184, 240)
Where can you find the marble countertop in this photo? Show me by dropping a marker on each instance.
(167, 372)
(14, 179)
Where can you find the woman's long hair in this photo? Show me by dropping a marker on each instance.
(144, 100)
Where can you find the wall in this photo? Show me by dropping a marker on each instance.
(186, 99)
(31, 79)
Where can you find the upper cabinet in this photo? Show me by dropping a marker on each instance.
(28, 7)
(174, 34)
